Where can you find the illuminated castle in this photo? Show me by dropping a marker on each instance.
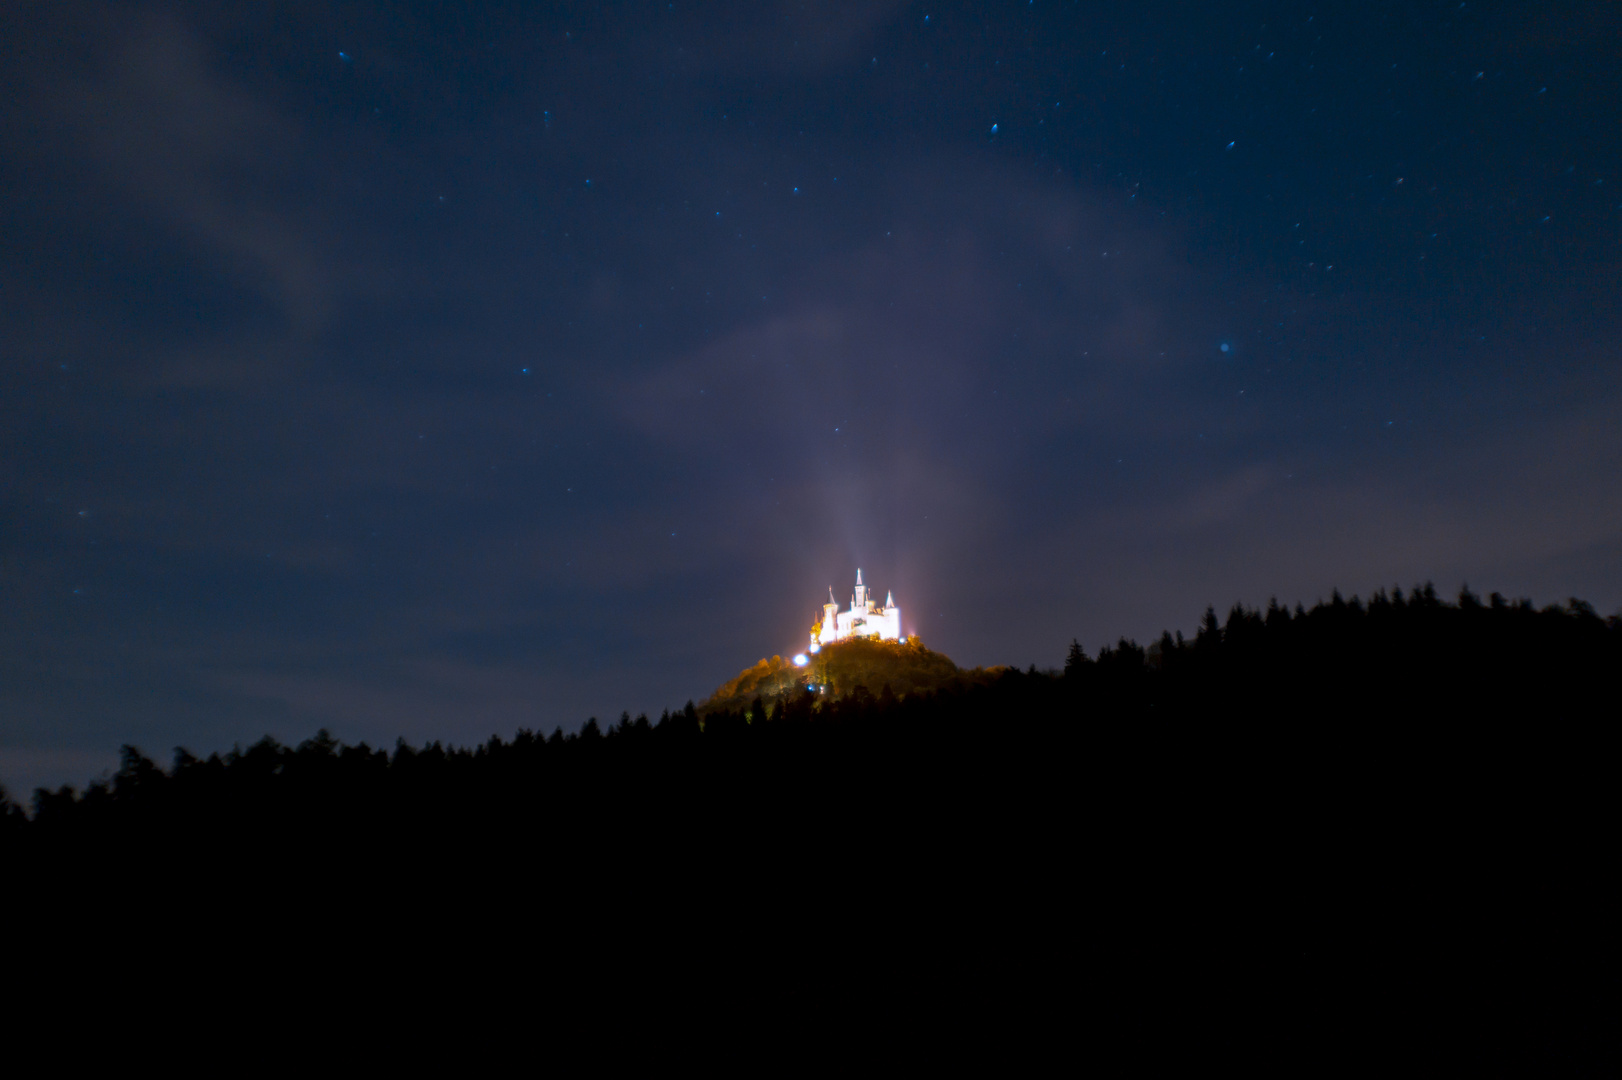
(864, 619)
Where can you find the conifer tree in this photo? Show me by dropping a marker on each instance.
(1075, 659)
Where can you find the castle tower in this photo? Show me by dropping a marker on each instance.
(859, 601)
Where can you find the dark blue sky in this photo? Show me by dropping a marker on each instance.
(439, 369)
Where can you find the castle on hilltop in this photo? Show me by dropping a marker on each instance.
(864, 619)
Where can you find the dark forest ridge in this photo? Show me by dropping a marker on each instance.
(1413, 660)
(1335, 818)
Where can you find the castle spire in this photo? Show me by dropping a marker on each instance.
(858, 575)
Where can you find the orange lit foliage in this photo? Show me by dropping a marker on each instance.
(907, 667)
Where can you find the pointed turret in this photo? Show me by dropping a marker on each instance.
(829, 631)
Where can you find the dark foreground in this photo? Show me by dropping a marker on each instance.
(1377, 833)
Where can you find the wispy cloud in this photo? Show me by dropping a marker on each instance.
(143, 99)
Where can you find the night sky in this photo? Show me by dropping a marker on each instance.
(439, 369)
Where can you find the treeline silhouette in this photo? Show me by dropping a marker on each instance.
(1338, 687)
(1294, 794)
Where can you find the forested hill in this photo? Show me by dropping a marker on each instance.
(1354, 826)
(1390, 680)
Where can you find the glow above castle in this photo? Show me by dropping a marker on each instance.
(864, 619)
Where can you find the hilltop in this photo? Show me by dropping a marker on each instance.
(906, 667)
